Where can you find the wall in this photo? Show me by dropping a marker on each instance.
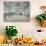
(25, 28)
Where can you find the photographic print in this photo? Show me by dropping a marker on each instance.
(16, 11)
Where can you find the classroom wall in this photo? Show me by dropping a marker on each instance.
(24, 28)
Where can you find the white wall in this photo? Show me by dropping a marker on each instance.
(25, 28)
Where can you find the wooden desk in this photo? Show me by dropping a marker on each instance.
(25, 44)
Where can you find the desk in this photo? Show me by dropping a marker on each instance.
(25, 44)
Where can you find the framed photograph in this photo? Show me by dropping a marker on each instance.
(16, 11)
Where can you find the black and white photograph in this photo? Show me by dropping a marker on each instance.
(16, 11)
